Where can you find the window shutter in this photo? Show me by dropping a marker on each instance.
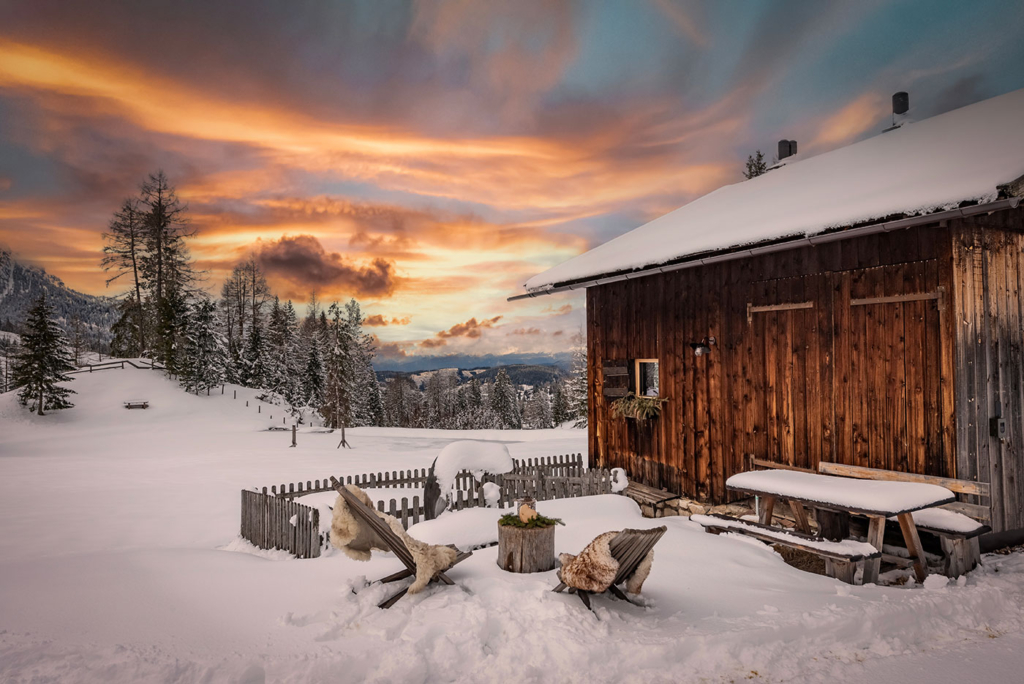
(616, 378)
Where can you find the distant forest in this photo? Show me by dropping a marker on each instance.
(320, 366)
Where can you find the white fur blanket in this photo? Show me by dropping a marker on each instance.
(595, 567)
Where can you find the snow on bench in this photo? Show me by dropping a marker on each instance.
(846, 550)
(870, 497)
(942, 521)
(139, 404)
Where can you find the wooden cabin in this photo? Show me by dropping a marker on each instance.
(864, 306)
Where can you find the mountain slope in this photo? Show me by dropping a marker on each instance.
(21, 286)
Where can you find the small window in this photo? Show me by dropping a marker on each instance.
(647, 382)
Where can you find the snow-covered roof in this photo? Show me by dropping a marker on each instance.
(919, 168)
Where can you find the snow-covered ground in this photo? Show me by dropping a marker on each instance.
(120, 562)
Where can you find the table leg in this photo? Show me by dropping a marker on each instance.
(913, 542)
(833, 525)
(876, 533)
(767, 508)
(800, 513)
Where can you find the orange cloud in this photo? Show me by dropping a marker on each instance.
(850, 121)
(430, 343)
(471, 328)
(380, 320)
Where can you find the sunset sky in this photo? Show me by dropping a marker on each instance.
(428, 157)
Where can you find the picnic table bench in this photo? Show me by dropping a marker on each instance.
(877, 500)
(141, 404)
(958, 525)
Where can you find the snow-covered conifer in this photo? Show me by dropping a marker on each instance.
(44, 361)
(505, 402)
(203, 356)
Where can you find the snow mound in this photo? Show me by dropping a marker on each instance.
(476, 457)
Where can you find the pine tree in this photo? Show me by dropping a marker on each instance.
(312, 381)
(537, 412)
(8, 354)
(577, 386)
(755, 165)
(254, 371)
(203, 359)
(166, 265)
(123, 254)
(281, 347)
(559, 405)
(43, 362)
(129, 330)
(505, 403)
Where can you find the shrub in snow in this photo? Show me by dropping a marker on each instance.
(619, 480)
(492, 493)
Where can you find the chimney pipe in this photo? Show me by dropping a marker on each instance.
(900, 102)
(787, 148)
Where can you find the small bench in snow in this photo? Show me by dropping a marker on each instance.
(842, 556)
(136, 404)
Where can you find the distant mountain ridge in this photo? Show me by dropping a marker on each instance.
(21, 286)
(519, 374)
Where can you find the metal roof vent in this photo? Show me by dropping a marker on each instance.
(787, 148)
(900, 106)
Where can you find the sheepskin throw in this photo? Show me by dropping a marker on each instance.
(349, 534)
(592, 570)
(595, 568)
(356, 539)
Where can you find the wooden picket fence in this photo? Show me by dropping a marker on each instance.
(270, 522)
(417, 478)
(267, 516)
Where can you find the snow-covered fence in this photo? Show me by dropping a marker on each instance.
(417, 478)
(108, 365)
(270, 522)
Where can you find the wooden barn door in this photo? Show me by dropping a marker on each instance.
(791, 369)
(890, 374)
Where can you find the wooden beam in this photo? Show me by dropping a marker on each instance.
(896, 299)
(751, 309)
(761, 463)
(980, 513)
(860, 472)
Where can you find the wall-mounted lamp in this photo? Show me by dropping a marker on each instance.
(703, 347)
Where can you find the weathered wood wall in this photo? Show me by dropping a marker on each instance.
(903, 347)
(989, 301)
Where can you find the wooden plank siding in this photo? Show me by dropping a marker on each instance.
(988, 261)
(889, 381)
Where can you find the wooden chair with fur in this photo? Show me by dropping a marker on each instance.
(613, 558)
(384, 536)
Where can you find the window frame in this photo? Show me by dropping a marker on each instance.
(637, 376)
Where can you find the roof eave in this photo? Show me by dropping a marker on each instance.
(782, 245)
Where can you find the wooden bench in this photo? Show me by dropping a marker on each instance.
(957, 525)
(651, 499)
(841, 558)
(136, 404)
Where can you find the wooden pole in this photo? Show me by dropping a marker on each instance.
(293, 436)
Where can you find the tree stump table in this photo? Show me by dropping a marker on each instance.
(525, 549)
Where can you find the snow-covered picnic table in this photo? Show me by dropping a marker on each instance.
(864, 497)
(878, 500)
